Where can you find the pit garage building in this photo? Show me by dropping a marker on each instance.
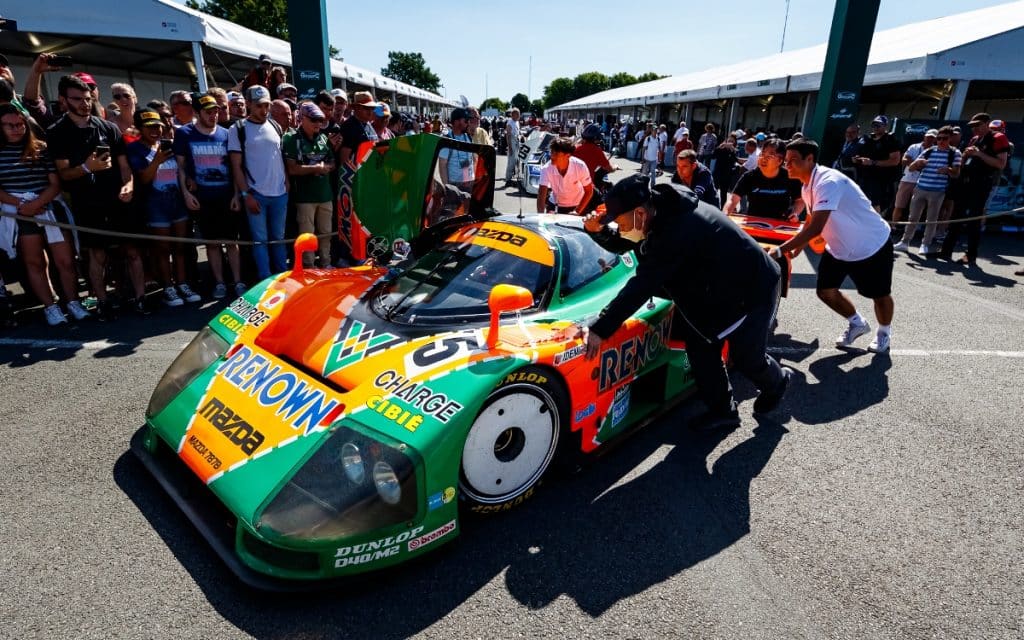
(159, 46)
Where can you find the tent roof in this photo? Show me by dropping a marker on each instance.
(912, 45)
(87, 27)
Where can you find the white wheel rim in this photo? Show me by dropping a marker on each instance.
(509, 446)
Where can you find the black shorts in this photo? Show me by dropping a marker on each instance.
(872, 276)
(217, 221)
(113, 216)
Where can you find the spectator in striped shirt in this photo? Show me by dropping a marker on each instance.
(28, 187)
(937, 165)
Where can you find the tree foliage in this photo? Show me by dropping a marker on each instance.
(521, 101)
(494, 103)
(411, 68)
(269, 17)
(562, 90)
(537, 107)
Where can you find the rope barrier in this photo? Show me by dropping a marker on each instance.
(148, 236)
(986, 216)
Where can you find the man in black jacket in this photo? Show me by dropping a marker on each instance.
(724, 286)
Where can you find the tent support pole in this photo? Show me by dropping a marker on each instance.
(956, 101)
(197, 59)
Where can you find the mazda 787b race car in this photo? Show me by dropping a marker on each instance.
(334, 422)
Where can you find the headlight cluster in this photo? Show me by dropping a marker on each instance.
(205, 349)
(352, 484)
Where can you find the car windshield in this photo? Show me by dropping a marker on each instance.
(453, 281)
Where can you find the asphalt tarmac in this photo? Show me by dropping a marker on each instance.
(883, 500)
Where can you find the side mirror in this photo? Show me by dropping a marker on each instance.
(505, 298)
(305, 242)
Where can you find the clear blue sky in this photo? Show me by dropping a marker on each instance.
(485, 44)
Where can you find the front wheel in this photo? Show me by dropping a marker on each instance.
(513, 441)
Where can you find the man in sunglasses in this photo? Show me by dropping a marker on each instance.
(878, 164)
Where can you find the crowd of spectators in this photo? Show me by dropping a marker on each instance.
(225, 167)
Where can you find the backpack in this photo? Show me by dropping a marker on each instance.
(950, 156)
(239, 127)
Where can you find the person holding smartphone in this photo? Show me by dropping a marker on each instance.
(156, 174)
(89, 153)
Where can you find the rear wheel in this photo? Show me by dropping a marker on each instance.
(513, 441)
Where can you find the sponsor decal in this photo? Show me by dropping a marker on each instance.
(433, 536)
(354, 342)
(625, 360)
(443, 350)
(510, 239)
(585, 412)
(419, 396)
(232, 425)
(298, 404)
(620, 405)
(231, 322)
(441, 498)
(627, 259)
(846, 96)
(569, 354)
(519, 376)
(395, 412)
(371, 551)
(249, 312)
(843, 114)
(305, 74)
(204, 451)
(273, 300)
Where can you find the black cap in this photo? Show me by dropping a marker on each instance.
(627, 194)
(980, 118)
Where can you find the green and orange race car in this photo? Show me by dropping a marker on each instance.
(334, 422)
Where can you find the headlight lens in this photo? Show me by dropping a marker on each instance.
(375, 488)
(205, 349)
(352, 462)
(388, 487)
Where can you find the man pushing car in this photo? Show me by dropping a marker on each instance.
(723, 284)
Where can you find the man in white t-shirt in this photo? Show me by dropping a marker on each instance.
(566, 179)
(257, 165)
(909, 180)
(857, 243)
(512, 139)
(652, 151)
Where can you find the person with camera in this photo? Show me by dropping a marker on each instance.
(89, 153)
(157, 195)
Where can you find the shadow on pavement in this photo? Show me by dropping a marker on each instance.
(840, 393)
(586, 537)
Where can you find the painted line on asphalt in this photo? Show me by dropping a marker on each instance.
(913, 353)
(89, 345)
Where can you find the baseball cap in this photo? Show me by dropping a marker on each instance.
(86, 78)
(997, 125)
(339, 94)
(364, 99)
(148, 118)
(459, 114)
(625, 195)
(264, 57)
(207, 102)
(257, 93)
(284, 85)
(760, 137)
(931, 133)
(311, 111)
(978, 118)
(882, 120)
(382, 111)
(234, 95)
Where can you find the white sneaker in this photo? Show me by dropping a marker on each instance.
(240, 288)
(189, 295)
(77, 311)
(54, 315)
(880, 344)
(171, 298)
(924, 250)
(901, 246)
(220, 291)
(853, 331)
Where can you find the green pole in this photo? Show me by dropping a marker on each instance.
(838, 104)
(311, 66)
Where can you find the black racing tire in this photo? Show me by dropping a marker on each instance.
(514, 441)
